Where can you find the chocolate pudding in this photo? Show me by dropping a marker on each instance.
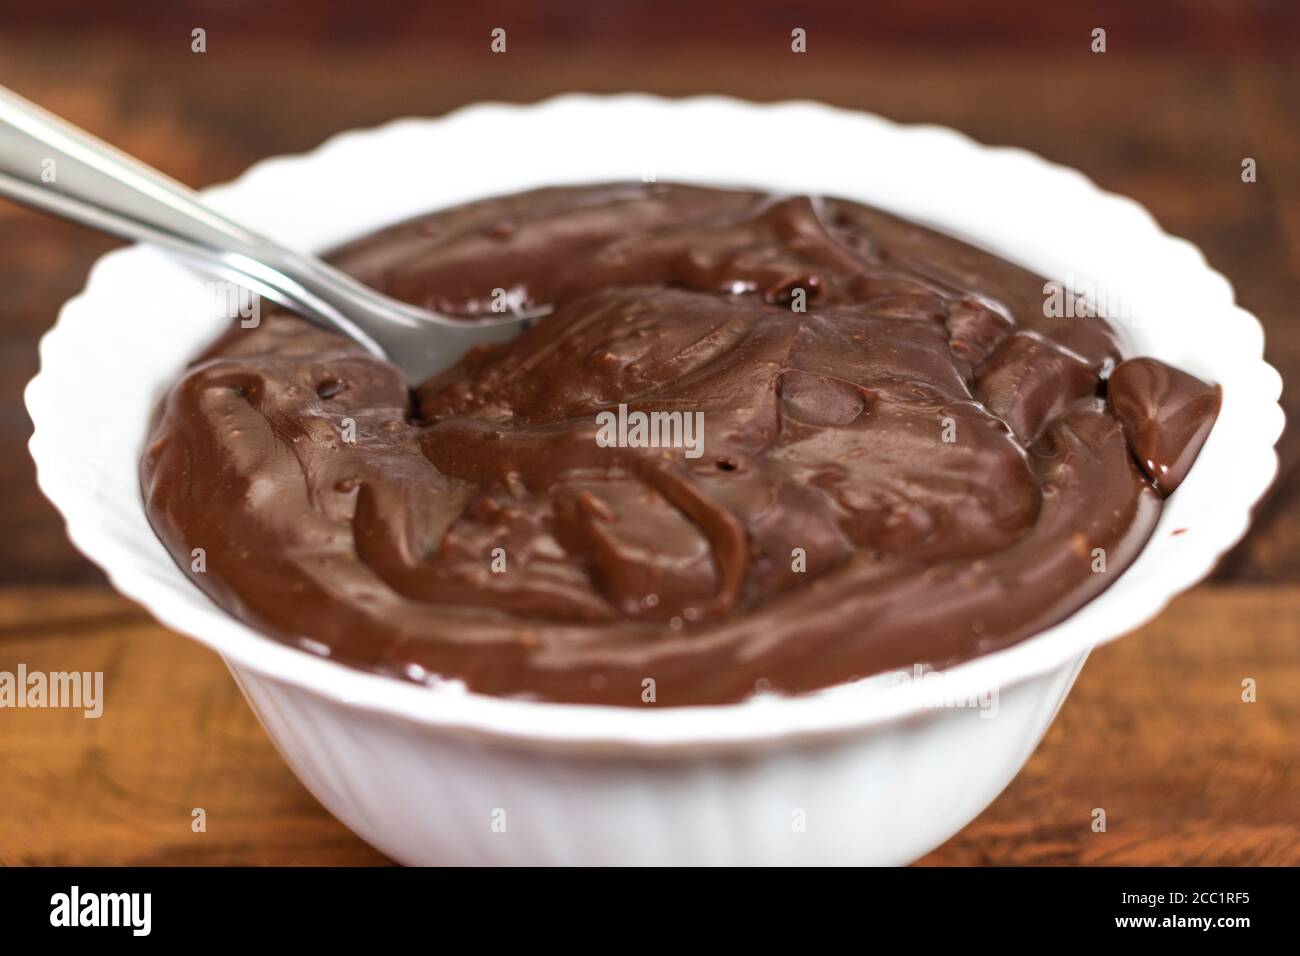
(761, 443)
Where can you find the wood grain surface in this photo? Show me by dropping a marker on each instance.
(1155, 731)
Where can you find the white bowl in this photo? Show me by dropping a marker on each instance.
(872, 772)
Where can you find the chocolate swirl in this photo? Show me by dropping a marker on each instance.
(902, 459)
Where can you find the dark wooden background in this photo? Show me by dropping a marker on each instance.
(1155, 729)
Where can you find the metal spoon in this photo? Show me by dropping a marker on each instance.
(56, 167)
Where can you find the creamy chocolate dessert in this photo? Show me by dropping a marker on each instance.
(761, 443)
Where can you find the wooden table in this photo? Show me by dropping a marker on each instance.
(1155, 731)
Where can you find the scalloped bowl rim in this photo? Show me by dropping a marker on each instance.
(1243, 439)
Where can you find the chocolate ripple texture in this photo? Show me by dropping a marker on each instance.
(761, 444)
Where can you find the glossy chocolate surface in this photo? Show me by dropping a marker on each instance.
(900, 459)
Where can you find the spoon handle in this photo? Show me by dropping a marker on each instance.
(52, 165)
